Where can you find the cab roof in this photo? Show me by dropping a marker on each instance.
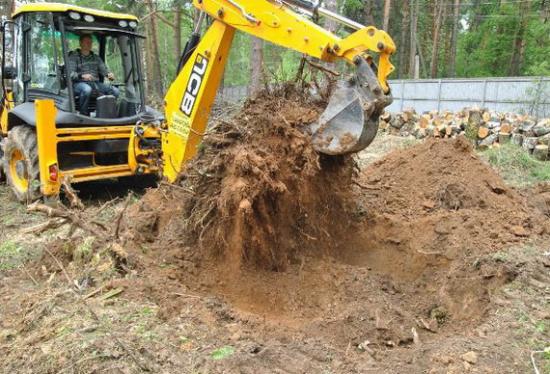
(62, 8)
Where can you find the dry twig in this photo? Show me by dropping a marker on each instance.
(72, 196)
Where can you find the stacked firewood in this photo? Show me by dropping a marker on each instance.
(486, 128)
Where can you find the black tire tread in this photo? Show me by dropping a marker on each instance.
(24, 138)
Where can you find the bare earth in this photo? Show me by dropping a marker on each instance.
(436, 267)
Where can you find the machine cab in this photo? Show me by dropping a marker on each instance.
(45, 37)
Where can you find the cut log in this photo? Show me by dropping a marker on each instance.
(486, 117)
(492, 124)
(541, 129)
(517, 139)
(545, 139)
(487, 142)
(474, 117)
(430, 131)
(540, 152)
(527, 128)
(505, 127)
(482, 132)
(386, 117)
(421, 133)
(424, 121)
(397, 122)
(504, 137)
(529, 143)
(408, 114)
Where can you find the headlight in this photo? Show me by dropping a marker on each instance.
(133, 24)
(89, 18)
(74, 15)
(123, 23)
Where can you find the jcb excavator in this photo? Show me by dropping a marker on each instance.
(45, 139)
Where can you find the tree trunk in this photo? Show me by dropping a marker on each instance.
(438, 12)
(403, 45)
(454, 36)
(331, 5)
(177, 30)
(157, 82)
(149, 61)
(518, 50)
(367, 13)
(387, 11)
(256, 66)
(414, 8)
(545, 11)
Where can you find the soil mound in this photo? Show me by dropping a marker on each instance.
(257, 191)
(438, 197)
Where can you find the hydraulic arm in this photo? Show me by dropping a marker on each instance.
(351, 119)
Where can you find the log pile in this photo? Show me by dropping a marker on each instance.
(486, 128)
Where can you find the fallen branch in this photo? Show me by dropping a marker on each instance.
(72, 196)
(120, 215)
(41, 227)
(65, 213)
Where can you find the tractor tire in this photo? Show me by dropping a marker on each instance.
(20, 163)
(2, 173)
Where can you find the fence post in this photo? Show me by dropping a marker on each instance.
(402, 93)
(439, 95)
(484, 92)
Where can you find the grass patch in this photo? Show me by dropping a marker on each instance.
(10, 255)
(516, 166)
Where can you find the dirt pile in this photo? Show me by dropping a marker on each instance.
(439, 198)
(258, 192)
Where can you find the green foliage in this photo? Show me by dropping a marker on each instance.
(12, 255)
(487, 49)
(516, 166)
(485, 44)
(223, 352)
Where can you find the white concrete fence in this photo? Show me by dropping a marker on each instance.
(529, 95)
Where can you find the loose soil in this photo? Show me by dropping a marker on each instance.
(296, 262)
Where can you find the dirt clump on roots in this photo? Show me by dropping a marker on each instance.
(257, 193)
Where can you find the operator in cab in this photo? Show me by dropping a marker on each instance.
(86, 70)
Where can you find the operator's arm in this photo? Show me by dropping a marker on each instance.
(72, 63)
(102, 68)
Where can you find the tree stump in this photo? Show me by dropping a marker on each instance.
(529, 143)
(540, 152)
(517, 139)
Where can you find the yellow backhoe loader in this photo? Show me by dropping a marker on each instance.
(46, 139)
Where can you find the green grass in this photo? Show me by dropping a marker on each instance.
(517, 167)
(10, 255)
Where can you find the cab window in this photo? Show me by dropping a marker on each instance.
(41, 46)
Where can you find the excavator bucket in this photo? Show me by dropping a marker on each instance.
(350, 121)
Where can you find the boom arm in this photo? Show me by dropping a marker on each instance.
(271, 20)
(190, 97)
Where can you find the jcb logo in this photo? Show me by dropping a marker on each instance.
(194, 85)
